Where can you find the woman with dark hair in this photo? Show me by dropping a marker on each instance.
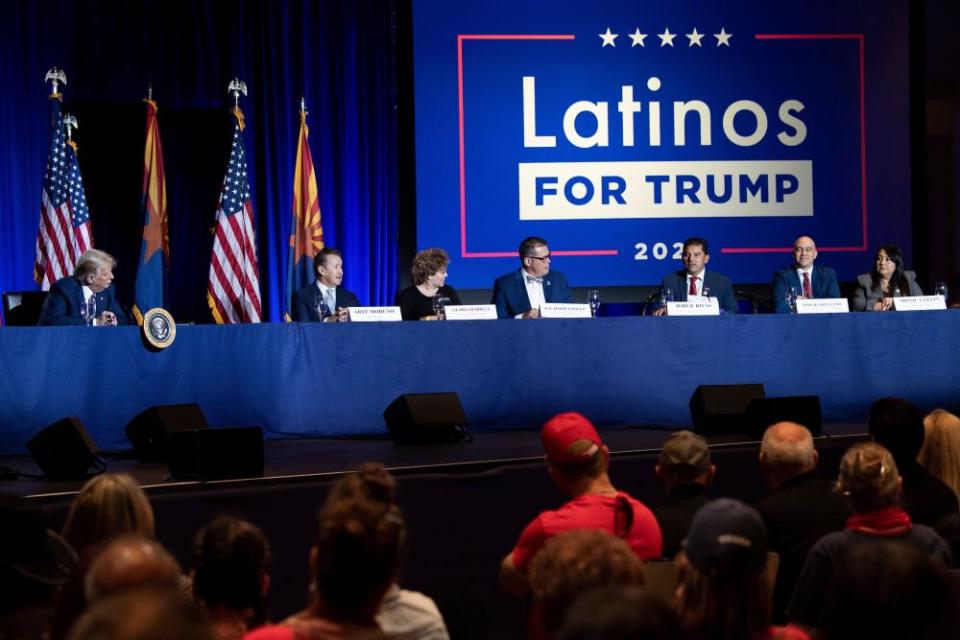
(354, 565)
(230, 576)
(725, 592)
(428, 293)
(888, 280)
(870, 482)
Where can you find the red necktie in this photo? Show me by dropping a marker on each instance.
(693, 286)
(807, 289)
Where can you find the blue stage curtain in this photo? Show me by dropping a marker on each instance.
(339, 55)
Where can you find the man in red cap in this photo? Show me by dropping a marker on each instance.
(577, 461)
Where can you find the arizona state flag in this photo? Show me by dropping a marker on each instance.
(306, 233)
(155, 250)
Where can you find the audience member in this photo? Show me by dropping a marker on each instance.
(869, 480)
(897, 425)
(620, 613)
(890, 590)
(685, 471)
(801, 508)
(231, 575)
(34, 562)
(108, 505)
(577, 461)
(573, 563)
(940, 454)
(354, 563)
(724, 591)
(144, 614)
(131, 562)
(403, 613)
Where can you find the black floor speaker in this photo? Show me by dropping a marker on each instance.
(804, 410)
(148, 430)
(721, 408)
(419, 418)
(215, 454)
(63, 450)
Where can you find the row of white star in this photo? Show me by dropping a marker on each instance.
(666, 38)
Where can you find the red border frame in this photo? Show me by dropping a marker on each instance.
(464, 253)
(863, 140)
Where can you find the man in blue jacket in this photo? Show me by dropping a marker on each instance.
(695, 280)
(520, 293)
(86, 297)
(807, 279)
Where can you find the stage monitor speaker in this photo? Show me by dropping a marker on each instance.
(721, 408)
(764, 412)
(416, 418)
(149, 429)
(63, 450)
(215, 454)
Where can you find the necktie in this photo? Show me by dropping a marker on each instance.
(534, 279)
(693, 286)
(807, 289)
(330, 301)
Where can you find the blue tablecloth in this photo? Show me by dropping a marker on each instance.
(334, 380)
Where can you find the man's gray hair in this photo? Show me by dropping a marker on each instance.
(92, 261)
(792, 452)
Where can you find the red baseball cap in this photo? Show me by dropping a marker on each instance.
(560, 434)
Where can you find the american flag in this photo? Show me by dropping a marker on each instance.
(233, 288)
(64, 232)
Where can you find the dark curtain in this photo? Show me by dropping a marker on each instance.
(338, 54)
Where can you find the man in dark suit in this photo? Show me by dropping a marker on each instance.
(805, 278)
(520, 293)
(801, 507)
(325, 300)
(694, 279)
(86, 297)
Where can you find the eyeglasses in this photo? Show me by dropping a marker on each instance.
(541, 258)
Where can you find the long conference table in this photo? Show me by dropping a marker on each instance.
(310, 380)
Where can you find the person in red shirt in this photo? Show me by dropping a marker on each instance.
(577, 461)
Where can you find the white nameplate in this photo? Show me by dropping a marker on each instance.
(374, 314)
(919, 303)
(564, 310)
(470, 312)
(694, 306)
(823, 305)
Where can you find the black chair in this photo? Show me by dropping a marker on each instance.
(22, 308)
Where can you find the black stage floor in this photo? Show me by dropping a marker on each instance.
(296, 460)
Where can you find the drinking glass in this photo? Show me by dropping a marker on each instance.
(439, 302)
(593, 298)
(792, 294)
(940, 289)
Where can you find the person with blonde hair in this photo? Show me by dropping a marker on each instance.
(870, 482)
(429, 292)
(86, 297)
(108, 505)
(940, 454)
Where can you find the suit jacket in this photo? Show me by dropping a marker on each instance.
(308, 305)
(510, 293)
(63, 303)
(824, 283)
(865, 296)
(719, 287)
(800, 512)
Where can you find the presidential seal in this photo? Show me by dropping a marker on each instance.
(159, 329)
